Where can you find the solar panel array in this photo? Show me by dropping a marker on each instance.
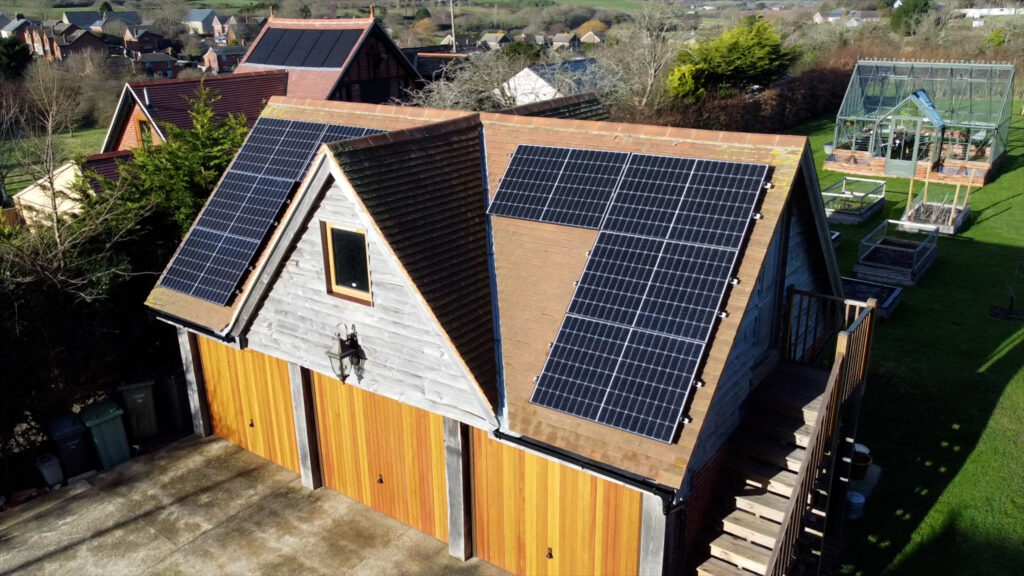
(218, 252)
(671, 230)
(304, 48)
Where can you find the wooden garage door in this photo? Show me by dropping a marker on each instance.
(524, 504)
(385, 454)
(250, 401)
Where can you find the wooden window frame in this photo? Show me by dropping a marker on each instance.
(138, 126)
(333, 289)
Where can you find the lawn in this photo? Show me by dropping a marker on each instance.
(78, 143)
(942, 412)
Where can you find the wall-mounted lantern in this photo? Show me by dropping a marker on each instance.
(346, 354)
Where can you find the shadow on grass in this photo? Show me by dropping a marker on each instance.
(940, 366)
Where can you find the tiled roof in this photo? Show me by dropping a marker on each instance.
(239, 94)
(106, 165)
(15, 24)
(572, 69)
(537, 265)
(434, 221)
(229, 50)
(221, 319)
(4, 20)
(199, 15)
(575, 107)
(308, 79)
(82, 19)
(157, 57)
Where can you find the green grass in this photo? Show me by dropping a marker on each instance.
(945, 397)
(78, 143)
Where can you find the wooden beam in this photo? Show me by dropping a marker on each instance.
(457, 472)
(304, 415)
(195, 384)
(652, 536)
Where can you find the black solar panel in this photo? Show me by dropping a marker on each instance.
(216, 255)
(671, 231)
(304, 48)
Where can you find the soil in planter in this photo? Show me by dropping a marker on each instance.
(892, 252)
(864, 291)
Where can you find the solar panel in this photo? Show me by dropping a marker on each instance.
(217, 253)
(305, 48)
(630, 344)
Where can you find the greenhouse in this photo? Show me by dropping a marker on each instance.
(938, 121)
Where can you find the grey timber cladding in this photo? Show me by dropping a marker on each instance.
(426, 195)
(427, 261)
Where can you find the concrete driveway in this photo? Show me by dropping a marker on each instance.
(205, 506)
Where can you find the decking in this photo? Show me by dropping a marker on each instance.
(781, 460)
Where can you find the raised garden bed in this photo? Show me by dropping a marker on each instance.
(886, 255)
(853, 201)
(947, 216)
(888, 297)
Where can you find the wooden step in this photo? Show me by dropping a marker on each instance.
(795, 405)
(779, 427)
(769, 451)
(768, 476)
(741, 553)
(763, 504)
(716, 567)
(745, 525)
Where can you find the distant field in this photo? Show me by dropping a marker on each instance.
(81, 142)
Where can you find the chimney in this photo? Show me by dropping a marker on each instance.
(372, 17)
(271, 11)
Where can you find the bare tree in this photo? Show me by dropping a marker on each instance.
(12, 111)
(637, 59)
(476, 84)
(52, 102)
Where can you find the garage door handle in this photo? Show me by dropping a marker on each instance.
(251, 425)
(380, 478)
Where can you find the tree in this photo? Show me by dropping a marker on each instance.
(105, 7)
(425, 28)
(54, 274)
(634, 61)
(15, 57)
(909, 15)
(751, 53)
(595, 26)
(421, 13)
(181, 173)
(12, 103)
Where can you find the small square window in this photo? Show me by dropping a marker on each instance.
(346, 262)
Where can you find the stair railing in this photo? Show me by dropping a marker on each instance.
(847, 373)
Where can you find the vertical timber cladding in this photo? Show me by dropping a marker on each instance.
(524, 504)
(246, 387)
(385, 454)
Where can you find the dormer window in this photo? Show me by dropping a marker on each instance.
(346, 263)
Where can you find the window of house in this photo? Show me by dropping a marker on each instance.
(145, 133)
(346, 261)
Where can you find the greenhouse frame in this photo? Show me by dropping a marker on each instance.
(938, 121)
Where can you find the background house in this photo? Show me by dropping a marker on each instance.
(555, 80)
(203, 22)
(20, 29)
(565, 41)
(350, 59)
(81, 18)
(493, 41)
(158, 65)
(146, 107)
(223, 58)
(142, 40)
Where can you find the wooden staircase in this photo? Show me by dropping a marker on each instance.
(765, 455)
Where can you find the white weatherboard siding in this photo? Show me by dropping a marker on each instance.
(528, 88)
(408, 356)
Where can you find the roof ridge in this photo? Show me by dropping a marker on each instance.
(208, 78)
(404, 135)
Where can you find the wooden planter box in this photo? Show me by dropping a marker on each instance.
(935, 215)
(888, 297)
(887, 258)
(853, 201)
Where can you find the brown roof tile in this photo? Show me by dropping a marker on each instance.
(537, 265)
(239, 94)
